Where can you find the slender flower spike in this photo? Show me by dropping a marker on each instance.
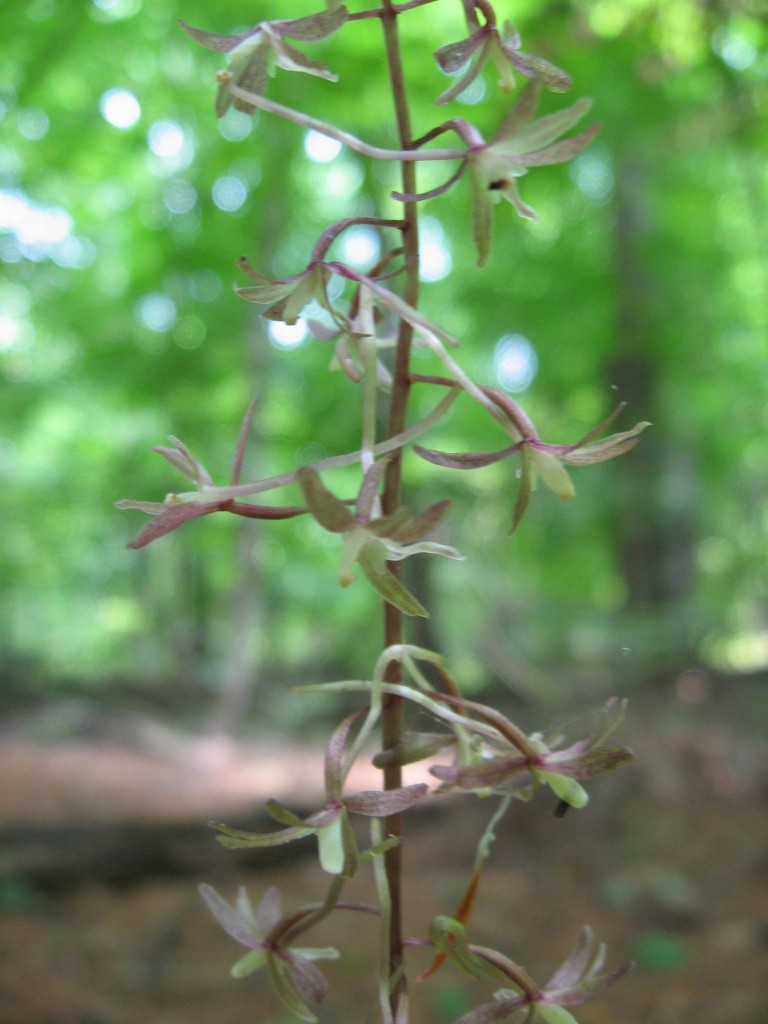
(520, 143)
(503, 50)
(539, 459)
(372, 540)
(253, 55)
(294, 977)
(336, 842)
(529, 762)
(575, 981)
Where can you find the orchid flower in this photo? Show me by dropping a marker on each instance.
(495, 166)
(294, 977)
(372, 540)
(520, 143)
(522, 1001)
(336, 842)
(175, 510)
(528, 762)
(503, 50)
(253, 55)
(286, 297)
(538, 458)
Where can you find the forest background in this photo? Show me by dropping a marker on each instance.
(123, 207)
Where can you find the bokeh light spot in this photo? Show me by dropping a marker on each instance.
(320, 148)
(514, 362)
(120, 108)
(229, 193)
(157, 312)
(287, 336)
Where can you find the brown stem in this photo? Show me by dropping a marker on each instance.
(392, 717)
(378, 12)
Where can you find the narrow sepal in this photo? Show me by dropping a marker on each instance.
(171, 518)
(228, 918)
(330, 512)
(415, 746)
(391, 589)
(285, 989)
(214, 40)
(482, 215)
(484, 775)
(419, 525)
(235, 839)
(380, 804)
(313, 27)
(523, 494)
(453, 56)
(463, 460)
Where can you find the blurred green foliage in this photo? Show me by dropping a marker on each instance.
(123, 208)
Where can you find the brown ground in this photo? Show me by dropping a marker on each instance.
(669, 864)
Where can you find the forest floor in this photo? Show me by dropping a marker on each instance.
(668, 864)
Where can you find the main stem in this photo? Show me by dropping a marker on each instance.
(392, 718)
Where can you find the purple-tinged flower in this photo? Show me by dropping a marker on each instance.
(253, 55)
(520, 143)
(286, 297)
(538, 458)
(297, 982)
(336, 842)
(486, 43)
(495, 166)
(577, 979)
(177, 510)
(526, 763)
(372, 539)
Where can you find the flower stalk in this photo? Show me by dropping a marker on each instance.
(374, 321)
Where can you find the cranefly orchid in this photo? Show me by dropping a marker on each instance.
(330, 824)
(540, 459)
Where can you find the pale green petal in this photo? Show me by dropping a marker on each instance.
(553, 474)
(551, 1014)
(567, 789)
(354, 543)
(252, 961)
(500, 60)
(397, 552)
(330, 844)
(316, 953)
